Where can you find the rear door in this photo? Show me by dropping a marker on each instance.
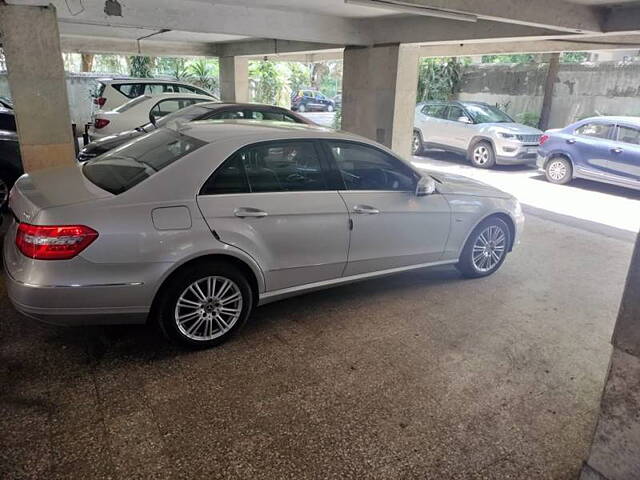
(625, 155)
(273, 201)
(391, 226)
(430, 122)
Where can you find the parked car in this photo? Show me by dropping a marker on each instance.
(484, 134)
(140, 111)
(604, 149)
(111, 93)
(6, 102)
(10, 160)
(310, 100)
(260, 212)
(199, 111)
(337, 100)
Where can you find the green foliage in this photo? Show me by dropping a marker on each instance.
(299, 76)
(512, 58)
(141, 67)
(438, 78)
(110, 64)
(205, 73)
(529, 118)
(267, 81)
(337, 120)
(574, 57)
(180, 71)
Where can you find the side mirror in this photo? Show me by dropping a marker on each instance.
(426, 186)
(464, 119)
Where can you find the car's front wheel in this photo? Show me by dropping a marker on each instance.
(301, 108)
(558, 170)
(416, 143)
(486, 248)
(482, 155)
(205, 305)
(329, 108)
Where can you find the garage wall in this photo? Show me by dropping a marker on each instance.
(605, 88)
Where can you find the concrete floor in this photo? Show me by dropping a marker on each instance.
(421, 375)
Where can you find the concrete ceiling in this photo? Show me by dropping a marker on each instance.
(261, 27)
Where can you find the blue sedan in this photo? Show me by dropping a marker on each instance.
(604, 149)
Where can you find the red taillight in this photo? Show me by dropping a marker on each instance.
(53, 242)
(99, 101)
(100, 122)
(543, 139)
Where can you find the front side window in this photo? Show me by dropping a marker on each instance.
(454, 113)
(595, 130)
(487, 114)
(367, 168)
(629, 135)
(118, 170)
(270, 167)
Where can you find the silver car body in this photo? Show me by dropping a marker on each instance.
(513, 143)
(304, 243)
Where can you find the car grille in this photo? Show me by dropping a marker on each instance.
(529, 138)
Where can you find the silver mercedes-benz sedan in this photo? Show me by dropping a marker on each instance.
(194, 227)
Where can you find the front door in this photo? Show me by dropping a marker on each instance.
(591, 145)
(272, 201)
(391, 226)
(457, 133)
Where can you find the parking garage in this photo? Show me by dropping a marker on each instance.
(419, 375)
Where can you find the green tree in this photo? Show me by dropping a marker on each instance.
(267, 81)
(438, 78)
(204, 75)
(299, 76)
(141, 67)
(574, 57)
(511, 58)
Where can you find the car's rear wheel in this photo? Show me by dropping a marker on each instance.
(486, 248)
(205, 305)
(482, 155)
(558, 170)
(330, 108)
(301, 108)
(416, 143)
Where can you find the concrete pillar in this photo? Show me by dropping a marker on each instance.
(234, 79)
(615, 450)
(379, 94)
(31, 44)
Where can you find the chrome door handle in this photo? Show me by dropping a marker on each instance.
(366, 209)
(616, 150)
(571, 141)
(249, 212)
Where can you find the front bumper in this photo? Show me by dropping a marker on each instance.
(511, 152)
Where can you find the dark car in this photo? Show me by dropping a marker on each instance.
(310, 100)
(604, 149)
(6, 102)
(200, 111)
(10, 160)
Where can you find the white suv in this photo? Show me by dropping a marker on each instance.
(484, 134)
(112, 93)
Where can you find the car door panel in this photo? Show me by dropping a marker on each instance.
(590, 147)
(271, 200)
(456, 134)
(624, 160)
(407, 230)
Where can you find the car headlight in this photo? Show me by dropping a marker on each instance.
(506, 135)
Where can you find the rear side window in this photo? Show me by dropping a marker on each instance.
(436, 111)
(131, 90)
(629, 135)
(122, 168)
(596, 130)
(269, 167)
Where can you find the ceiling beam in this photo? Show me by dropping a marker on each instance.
(269, 47)
(549, 14)
(203, 17)
(125, 46)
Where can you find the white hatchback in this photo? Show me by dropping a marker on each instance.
(140, 111)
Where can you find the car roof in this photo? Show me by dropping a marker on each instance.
(211, 130)
(158, 96)
(618, 119)
(143, 80)
(454, 102)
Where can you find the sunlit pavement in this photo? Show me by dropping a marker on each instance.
(321, 118)
(600, 203)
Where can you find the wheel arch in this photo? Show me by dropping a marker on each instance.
(562, 154)
(255, 280)
(480, 138)
(505, 217)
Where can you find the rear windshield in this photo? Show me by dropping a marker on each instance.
(120, 169)
(187, 114)
(130, 104)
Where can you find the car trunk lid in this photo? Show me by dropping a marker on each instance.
(55, 187)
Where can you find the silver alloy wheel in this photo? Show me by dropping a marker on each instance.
(4, 192)
(415, 144)
(557, 170)
(208, 308)
(489, 248)
(481, 155)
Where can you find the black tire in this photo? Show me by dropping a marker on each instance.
(481, 155)
(466, 263)
(302, 108)
(330, 108)
(417, 145)
(178, 285)
(558, 170)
